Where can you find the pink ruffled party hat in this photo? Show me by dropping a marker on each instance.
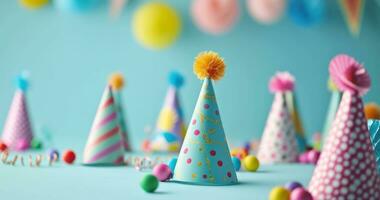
(278, 143)
(347, 166)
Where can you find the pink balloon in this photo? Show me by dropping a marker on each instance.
(215, 16)
(266, 11)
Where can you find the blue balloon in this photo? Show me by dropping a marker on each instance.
(75, 5)
(306, 12)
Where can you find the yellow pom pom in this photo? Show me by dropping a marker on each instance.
(33, 4)
(209, 65)
(116, 81)
(372, 111)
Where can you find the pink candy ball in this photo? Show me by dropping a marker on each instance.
(313, 156)
(300, 194)
(23, 145)
(215, 16)
(303, 158)
(162, 172)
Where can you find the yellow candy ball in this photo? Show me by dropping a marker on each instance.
(156, 25)
(279, 193)
(251, 163)
(33, 4)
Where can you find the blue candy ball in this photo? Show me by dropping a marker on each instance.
(75, 5)
(176, 79)
(172, 164)
(51, 153)
(306, 12)
(236, 162)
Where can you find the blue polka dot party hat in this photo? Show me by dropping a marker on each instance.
(170, 129)
(204, 158)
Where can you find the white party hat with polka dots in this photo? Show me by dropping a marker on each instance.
(347, 166)
(278, 143)
(205, 158)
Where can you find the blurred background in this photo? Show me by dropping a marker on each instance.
(70, 53)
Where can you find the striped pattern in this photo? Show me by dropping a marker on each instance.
(374, 131)
(122, 121)
(105, 144)
(17, 128)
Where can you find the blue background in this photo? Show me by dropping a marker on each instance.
(70, 57)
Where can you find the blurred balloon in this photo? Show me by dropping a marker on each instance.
(75, 5)
(306, 12)
(156, 25)
(266, 11)
(215, 16)
(34, 4)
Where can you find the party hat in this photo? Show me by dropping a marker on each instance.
(374, 131)
(204, 158)
(105, 145)
(353, 11)
(279, 143)
(117, 83)
(17, 133)
(347, 167)
(170, 129)
(336, 96)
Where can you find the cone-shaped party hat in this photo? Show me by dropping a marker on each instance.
(17, 133)
(278, 143)
(374, 131)
(336, 96)
(204, 158)
(117, 83)
(347, 166)
(170, 129)
(353, 12)
(105, 145)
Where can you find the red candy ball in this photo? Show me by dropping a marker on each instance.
(3, 146)
(313, 156)
(300, 194)
(68, 156)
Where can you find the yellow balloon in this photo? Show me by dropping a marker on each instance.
(156, 25)
(33, 4)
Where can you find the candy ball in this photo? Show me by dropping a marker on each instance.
(75, 5)
(279, 193)
(293, 185)
(215, 16)
(156, 25)
(236, 162)
(3, 146)
(53, 152)
(36, 144)
(33, 4)
(313, 156)
(251, 163)
(266, 11)
(23, 145)
(68, 156)
(149, 183)
(372, 111)
(162, 172)
(300, 194)
(303, 158)
(172, 164)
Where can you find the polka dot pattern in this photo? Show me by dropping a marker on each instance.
(278, 143)
(347, 167)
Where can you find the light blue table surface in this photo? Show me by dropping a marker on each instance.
(64, 182)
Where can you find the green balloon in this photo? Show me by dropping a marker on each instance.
(149, 183)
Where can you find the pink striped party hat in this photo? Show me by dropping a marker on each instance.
(105, 145)
(17, 133)
(347, 166)
(278, 143)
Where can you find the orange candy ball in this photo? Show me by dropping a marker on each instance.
(372, 111)
(69, 157)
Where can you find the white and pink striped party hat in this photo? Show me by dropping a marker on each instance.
(278, 143)
(347, 166)
(105, 145)
(17, 133)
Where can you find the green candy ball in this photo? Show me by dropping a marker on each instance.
(36, 144)
(149, 183)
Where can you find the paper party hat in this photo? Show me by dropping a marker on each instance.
(17, 133)
(374, 131)
(204, 158)
(117, 83)
(353, 11)
(347, 167)
(170, 129)
(278, 143)
(105, 145)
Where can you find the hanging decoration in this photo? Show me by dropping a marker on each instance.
(75, 5)
(306, 12)
(116, 7)
(352, 12)
(33, 4)
(266, 11)
(215, 16)
(156, 25)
